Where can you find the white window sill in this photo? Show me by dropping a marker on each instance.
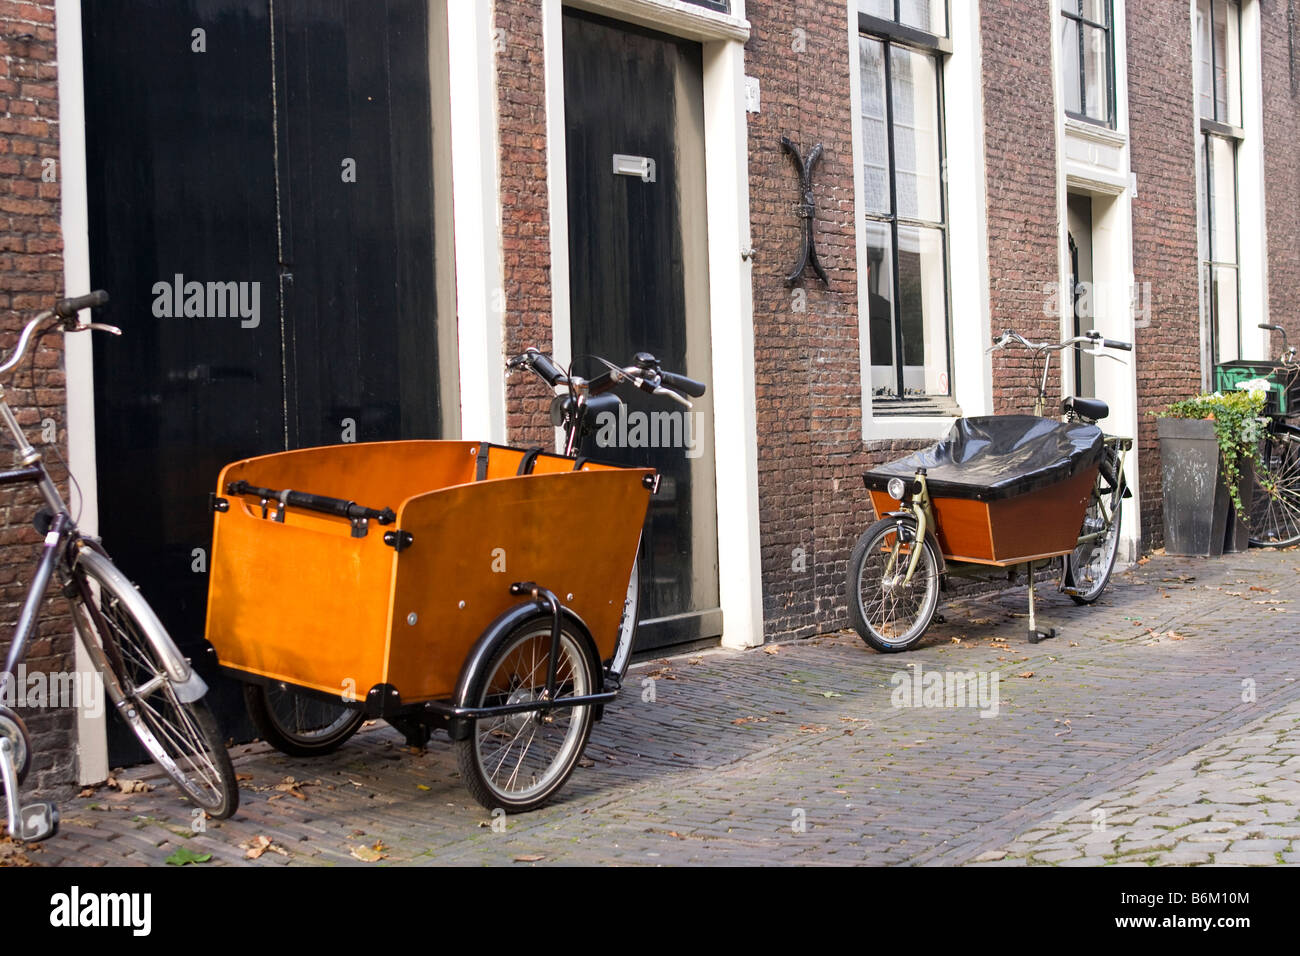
(905, 428)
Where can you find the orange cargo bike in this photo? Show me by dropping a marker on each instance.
(436, 584)
(999, 494)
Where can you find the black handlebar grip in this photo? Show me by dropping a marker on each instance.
(68, 308)
(548, 370)
(680, 383)
(1115, 344)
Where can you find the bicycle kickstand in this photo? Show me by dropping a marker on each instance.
(1035, 635)
(30, 823)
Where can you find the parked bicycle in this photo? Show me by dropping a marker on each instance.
(1000, 492)
(150, 684)
(1275, 492)
(304, 724)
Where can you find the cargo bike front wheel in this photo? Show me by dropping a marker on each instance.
(517, 760)
(892, 600)
(300, 724)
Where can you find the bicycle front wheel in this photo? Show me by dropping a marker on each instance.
(182, 737)
(298, 724)
(1275, 494)
(889, 609)
(518, 760)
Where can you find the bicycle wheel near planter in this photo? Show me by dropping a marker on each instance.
(1275, 497)
(517, 761)
(889, 610)
(1086, 570)
(300, 724)
(181, 736)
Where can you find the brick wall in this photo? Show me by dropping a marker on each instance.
(1281, 171)
(1163, 138)
(525, 210)
(1020, 152)
(812, 505)
(31, 275)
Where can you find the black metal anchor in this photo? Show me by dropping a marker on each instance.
(806, 210)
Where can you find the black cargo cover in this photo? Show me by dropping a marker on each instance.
(998, 456)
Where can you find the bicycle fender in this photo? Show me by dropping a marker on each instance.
(929, 536)
(480, 654)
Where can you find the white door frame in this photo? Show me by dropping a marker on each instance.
(731, 307)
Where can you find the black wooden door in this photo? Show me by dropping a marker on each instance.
(261, 214)
(638, 281)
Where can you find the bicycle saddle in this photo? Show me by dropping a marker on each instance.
(1089, 409)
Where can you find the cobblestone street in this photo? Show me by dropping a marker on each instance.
(1161, 726)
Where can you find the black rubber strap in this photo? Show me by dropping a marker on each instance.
(528, 461)
(480, 471)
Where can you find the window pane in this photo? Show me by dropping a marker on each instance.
(1229, 97)
(1095, 10)
(1223, 200)
(1070, 65)
(916, 134)
(875, 135)
(1096, 73)
(1226, 320)
(1205, 70)
(1070, 6)
(927, 15)
(880, 297)
(922, 310)
(878, 8)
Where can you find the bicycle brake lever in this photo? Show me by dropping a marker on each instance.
(680, 399)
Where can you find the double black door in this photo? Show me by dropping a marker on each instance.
(261, 212)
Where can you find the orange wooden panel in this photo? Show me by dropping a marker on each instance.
(575, 533)
(1043, 522)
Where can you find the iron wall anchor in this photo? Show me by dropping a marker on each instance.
(806, 211)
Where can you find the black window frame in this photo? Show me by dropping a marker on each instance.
(891, 33)
(1217, 123)
(1108, 28)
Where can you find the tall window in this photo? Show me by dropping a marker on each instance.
(1218, 88)
(1088, 60)
(900, 48)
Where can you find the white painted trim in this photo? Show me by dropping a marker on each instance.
(968, 272)
(1252, 235)
(686, 20)
(1113, 277)
(92, 732)
(731, 312)
(731, 306)
(475, 155)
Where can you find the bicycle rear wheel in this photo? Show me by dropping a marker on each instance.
(181, 736)
(1086, 570)
(1275, 494)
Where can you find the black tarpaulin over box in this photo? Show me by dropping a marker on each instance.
(998, 456)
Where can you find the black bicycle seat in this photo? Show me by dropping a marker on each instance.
(1089, 409)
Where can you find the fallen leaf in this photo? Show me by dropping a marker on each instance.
(831, 693)
(1026, 674)
(370, 854)
(811, 728)
(257, 846)
(741, 721)
(771, 649)
(420, 786)
(529, 858)
(88, 792)
(184, 855)
(243, 776)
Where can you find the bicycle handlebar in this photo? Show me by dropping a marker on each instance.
(644, 373)
(68, 308)
(1092, 338)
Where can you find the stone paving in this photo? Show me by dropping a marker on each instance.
(797, 753)
(1235, 801)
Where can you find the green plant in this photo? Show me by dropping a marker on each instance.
(1238, 425)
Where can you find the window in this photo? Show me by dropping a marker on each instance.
(1218, 89)
(1088, 60)
(903, 198)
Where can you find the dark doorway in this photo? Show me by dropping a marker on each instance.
(1083, 299)
(638, 279)
(261, 211)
